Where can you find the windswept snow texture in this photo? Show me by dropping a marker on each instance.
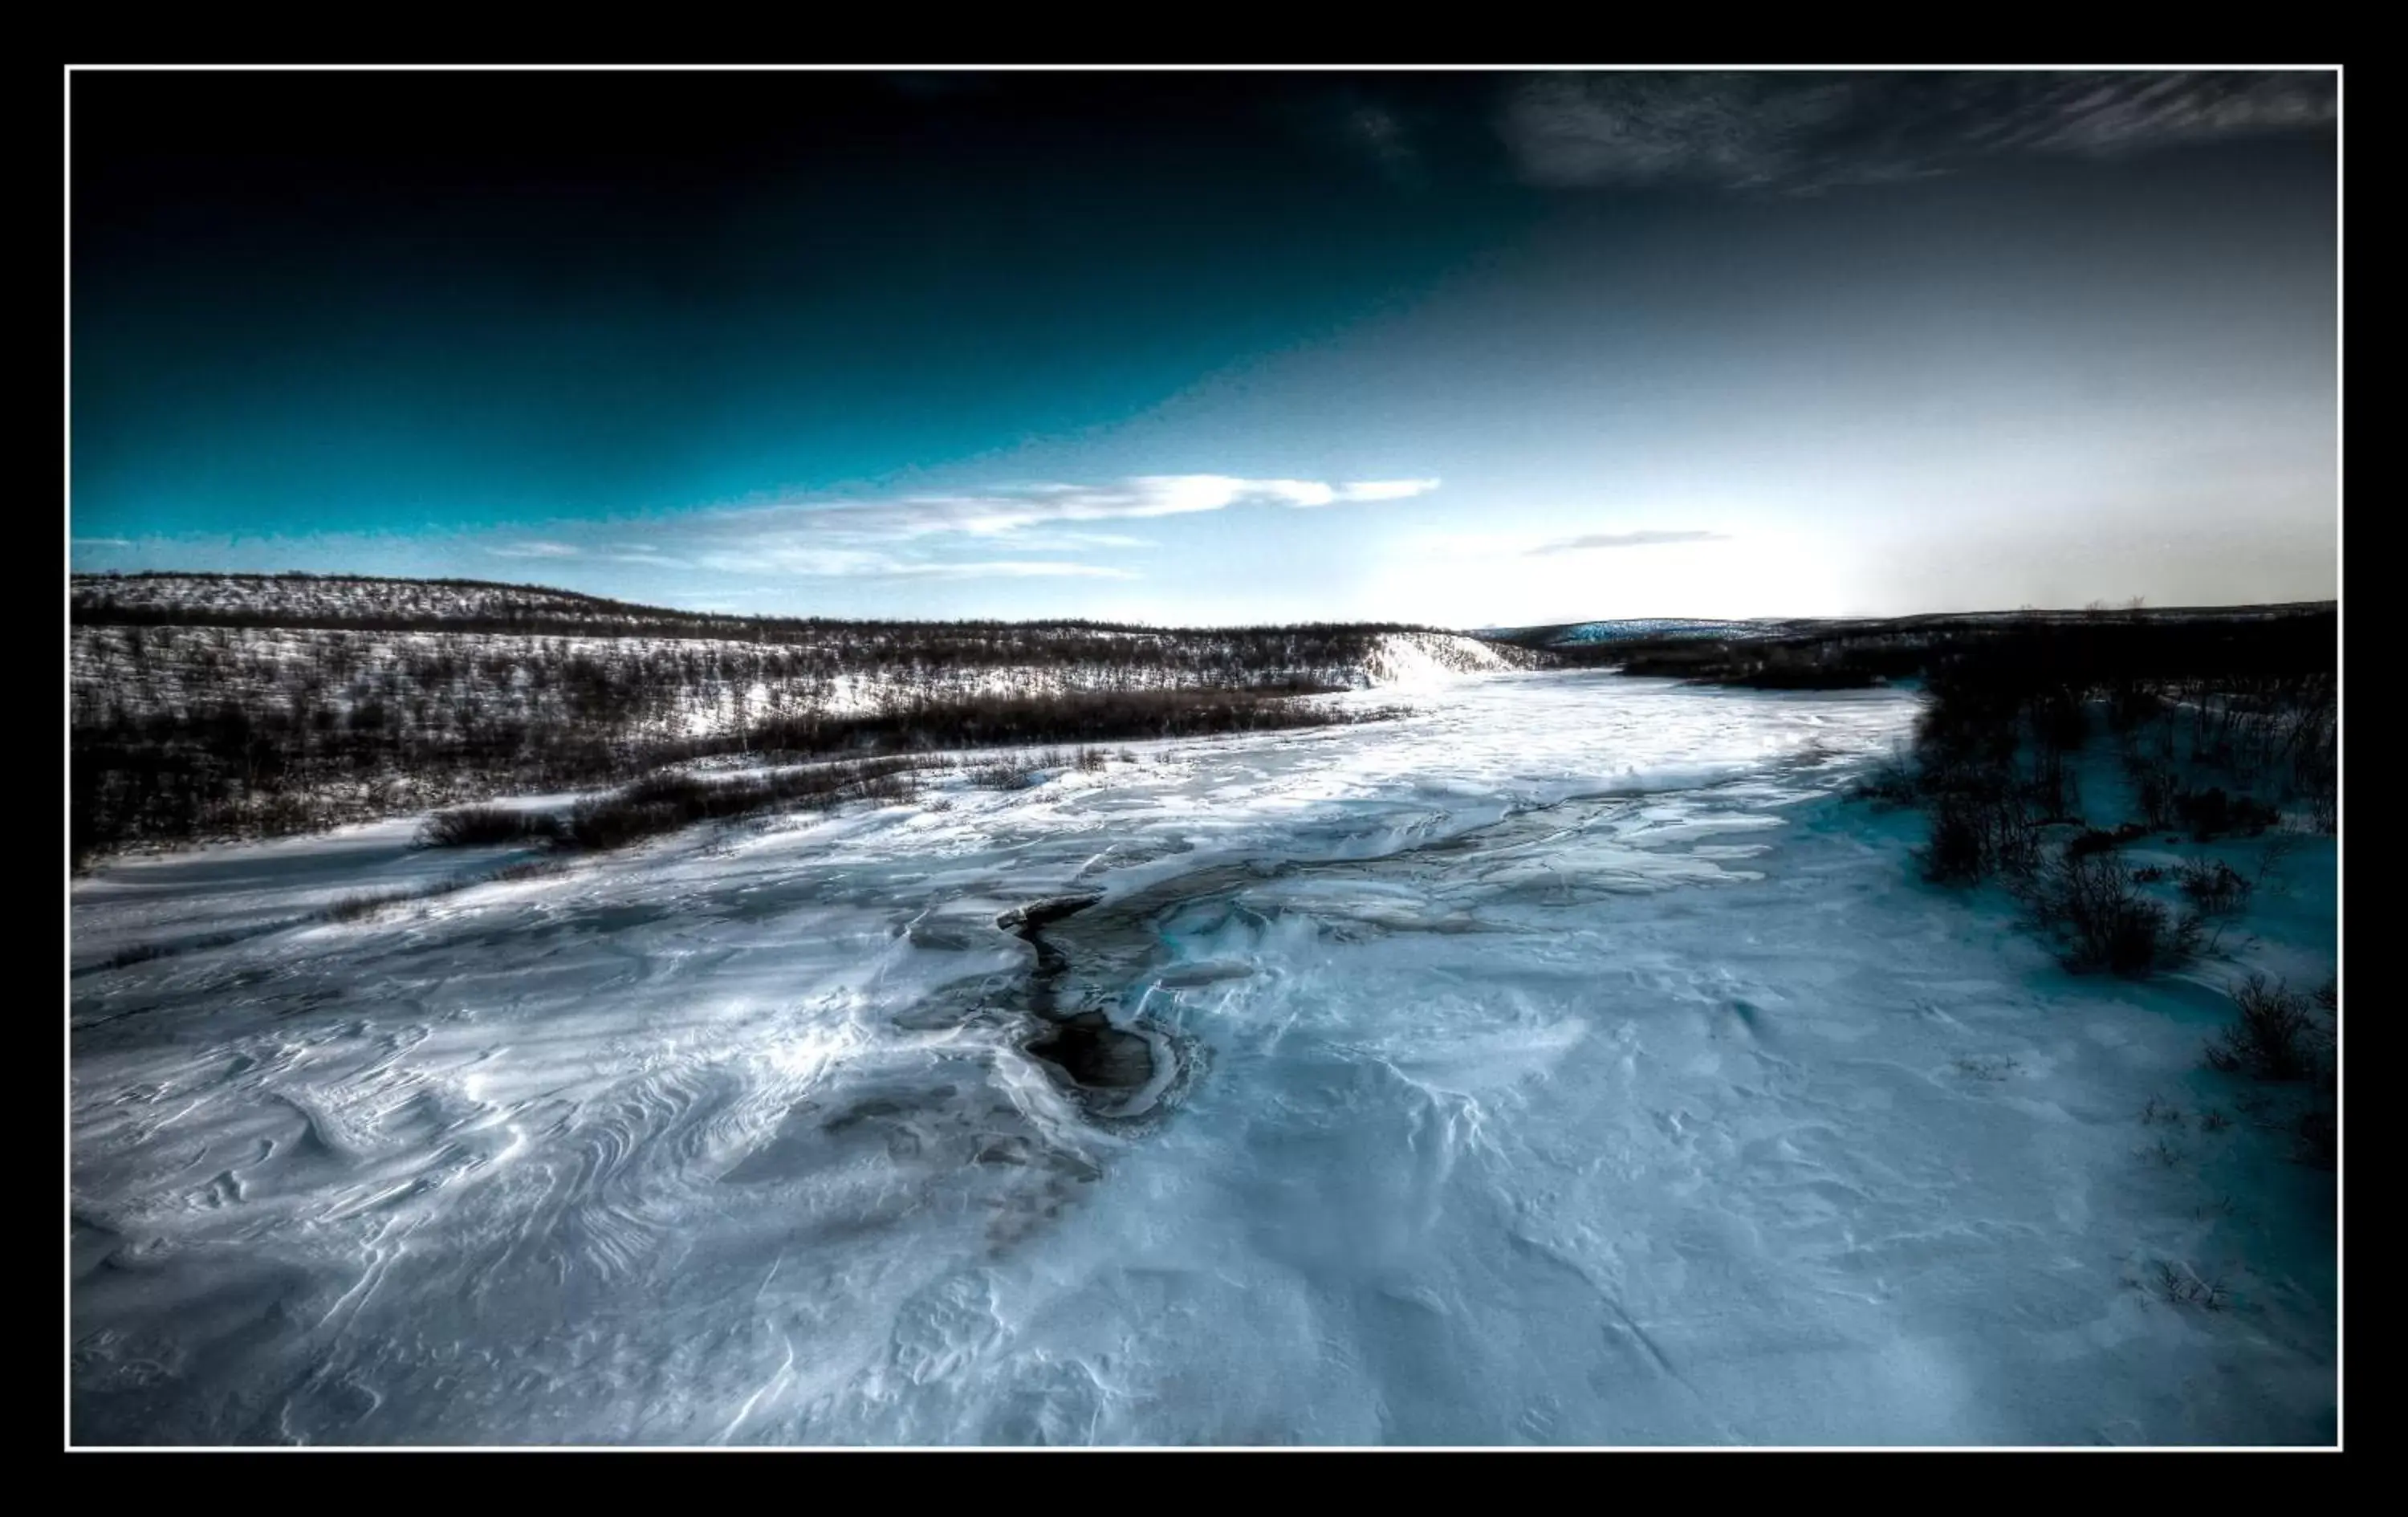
(1566, 1063)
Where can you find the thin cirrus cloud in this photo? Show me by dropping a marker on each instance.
(1621, 539)
(918, 536)
(1801, 133)
(999, 512)
(537, 549)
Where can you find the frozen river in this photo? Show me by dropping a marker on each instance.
(1566, 1063)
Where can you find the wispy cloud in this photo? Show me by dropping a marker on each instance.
(645, 559)
(1035, 531)
(800, 556)
(535, 549)
(934, 537)
(1801, 133)
(999, 512)
(1013, 568)
(1375, 489)
(1621, 539)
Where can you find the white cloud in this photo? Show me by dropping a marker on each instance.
(918, 536)
(998, 512)
(1018, 532)
(535, 549)
(1013, 568)
(646, 557)
(1386, 489)
(1589, 540)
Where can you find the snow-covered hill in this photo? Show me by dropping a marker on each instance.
(346, 698)
(1425, 658)
(313, 600)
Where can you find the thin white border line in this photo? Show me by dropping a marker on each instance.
(67, 1327)
(1193, 68)
(1216, 1448)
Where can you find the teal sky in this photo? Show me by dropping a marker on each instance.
(1464, 349)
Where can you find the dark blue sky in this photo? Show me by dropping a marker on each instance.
(1459, 347)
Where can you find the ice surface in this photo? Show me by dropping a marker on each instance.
(1564, 1063)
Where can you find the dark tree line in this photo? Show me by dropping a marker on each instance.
(2220, 726)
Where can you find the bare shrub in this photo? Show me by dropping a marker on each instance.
(527, 869)
(366, 903)
(2271, 1038)
(892, 788)
(1003, 774)
(2215, 887)
(666, 802)
(477, 826)
(2100, 918)
(1980, 827)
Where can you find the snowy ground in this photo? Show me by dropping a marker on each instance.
(1567, 1064)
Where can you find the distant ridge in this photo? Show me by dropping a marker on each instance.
(1676, 628)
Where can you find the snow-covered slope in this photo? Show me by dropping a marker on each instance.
(271, 703)
(1420, 659)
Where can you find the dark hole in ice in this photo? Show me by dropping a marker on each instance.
(1084, 1044)
(1095, 1054)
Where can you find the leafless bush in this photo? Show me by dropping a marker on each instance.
(1981, 826)
(666, 802)
(2100, 918)
(2271, 1038)
(367, 903)
(2215, 887)
(473, 826)
(1003, 774)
